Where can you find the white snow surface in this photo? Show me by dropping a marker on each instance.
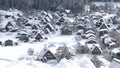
(9, 56)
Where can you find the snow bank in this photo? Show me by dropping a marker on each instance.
(74, 63)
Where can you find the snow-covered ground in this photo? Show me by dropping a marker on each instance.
(9, 55)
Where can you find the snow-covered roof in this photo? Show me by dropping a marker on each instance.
(70, 20)
(104, 26)
(5, 22)
(104, 36)
(90, 45)
(67, 10)
(80, 31)
(90, 34)
(47, 19)
(50, 25)
(50, 16)
(92, 38)
(103, 30)
(89, 31)
(43, 13)
(115, 50)
(97, 14)
(33, 22)
(49, 47)
(93, 47)
(107, 40)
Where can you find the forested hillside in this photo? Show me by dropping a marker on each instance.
(52, 5)
(41, 4)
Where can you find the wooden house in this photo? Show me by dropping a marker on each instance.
(103, 32)
(96, 50)
(46, 31)
(110, 42)
(62, 19)
(47, 19)
(103, 26)
(50, 27)
(48, 54)
(115, 53)
(109, 21)
(90, 41)
(99, 23)
(53, 53)
(93, 46)
(50, 16)
(23, 37)
(8, 43)
(9, 26)
(35, 27)
(43, 21)
(28, 24)
(33, 33)
(38, 36)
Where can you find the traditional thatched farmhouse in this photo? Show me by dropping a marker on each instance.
(53, 53)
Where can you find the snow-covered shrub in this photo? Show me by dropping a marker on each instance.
(66, 31)
(82, 49)
(78, 38)
(16, 43)
(63, 52)
(30, 51)
(28, 56)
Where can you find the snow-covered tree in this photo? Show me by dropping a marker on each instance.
(63, 52)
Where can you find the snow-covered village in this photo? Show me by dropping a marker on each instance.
(72, 36)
